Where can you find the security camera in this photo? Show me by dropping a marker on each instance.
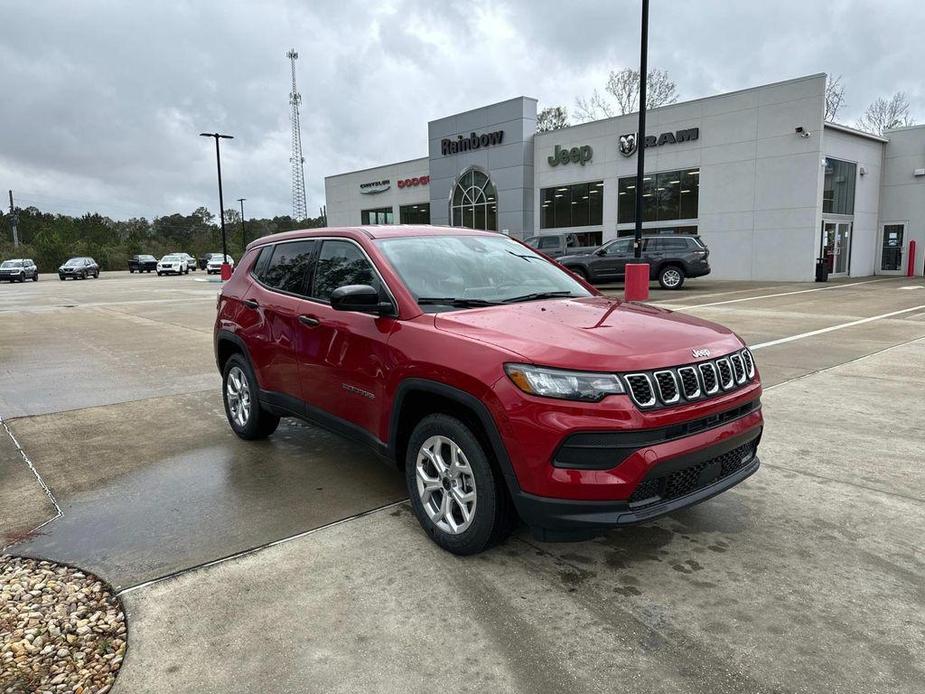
(801, 131)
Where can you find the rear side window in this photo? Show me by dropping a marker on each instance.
(289, 266)
(548, 242)
(341, 263)
(263, 259)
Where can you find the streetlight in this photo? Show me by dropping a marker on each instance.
(637, 274)
(243, 230)
(226, 268)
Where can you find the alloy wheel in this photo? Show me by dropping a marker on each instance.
(238, 395)
(446, 484)
(671, 278)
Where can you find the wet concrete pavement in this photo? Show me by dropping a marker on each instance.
(111, 389)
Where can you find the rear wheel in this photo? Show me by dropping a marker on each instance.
(671, 277)
(457, 496)
(242, 407)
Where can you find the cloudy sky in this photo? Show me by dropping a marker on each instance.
(102, 101)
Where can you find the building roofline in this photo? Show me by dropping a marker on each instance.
(379, 166)
(905, 127)
(480, 108)
(721, 95)
(854, 131)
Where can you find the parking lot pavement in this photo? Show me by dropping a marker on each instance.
(806, 577)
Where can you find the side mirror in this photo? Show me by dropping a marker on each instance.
(600, 251)
(359, 297)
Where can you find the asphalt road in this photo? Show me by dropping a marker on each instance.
(806, 577)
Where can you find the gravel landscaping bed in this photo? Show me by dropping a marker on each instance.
(61, 629)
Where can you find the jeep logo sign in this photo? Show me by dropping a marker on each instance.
(576, 155)
(474, 141)
(628, 141)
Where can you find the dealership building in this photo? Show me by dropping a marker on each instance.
(767, 184)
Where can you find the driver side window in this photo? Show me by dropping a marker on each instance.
(341, 263)
(619, 247)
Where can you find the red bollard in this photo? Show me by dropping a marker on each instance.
(911, 270)
(226, 272)
(637, 282)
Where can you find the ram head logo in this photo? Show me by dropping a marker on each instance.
(628, 144)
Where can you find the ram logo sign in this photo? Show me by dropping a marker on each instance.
(628, 144)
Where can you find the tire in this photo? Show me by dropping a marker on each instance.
(256, 423)
(35, 277)
(489, 515)
(96, 275)
(131, 271)
(671, 277)
(61, 277)
(22, 277)
(158, 273)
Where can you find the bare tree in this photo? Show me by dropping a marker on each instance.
(834, 97)
(884, 114)
(623, 90)
(552, 118)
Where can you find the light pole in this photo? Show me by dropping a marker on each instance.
(226, 268)
(637, 274)
(243, 230)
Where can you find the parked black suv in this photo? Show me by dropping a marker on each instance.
(79, 268)
(671, 260)
(19, 270)
(142, 263)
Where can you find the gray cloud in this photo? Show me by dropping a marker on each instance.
(103, 101)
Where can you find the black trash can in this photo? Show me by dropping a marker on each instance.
(822, 270)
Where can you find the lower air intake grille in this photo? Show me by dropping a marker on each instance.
(686, 480)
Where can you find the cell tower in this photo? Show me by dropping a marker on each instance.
(296, 160)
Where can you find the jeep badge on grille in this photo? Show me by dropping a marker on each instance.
(700, 353)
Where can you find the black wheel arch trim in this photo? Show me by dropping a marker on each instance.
(228, 336)
(467, 400)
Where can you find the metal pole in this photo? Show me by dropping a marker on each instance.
(641, 135)
(221, 199)
(13, 222)
(243, 229)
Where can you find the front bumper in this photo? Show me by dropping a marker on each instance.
(672, 485)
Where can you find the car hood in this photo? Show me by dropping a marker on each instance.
(593, 333)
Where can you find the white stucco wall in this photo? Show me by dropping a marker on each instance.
(760, 182)
(866, 153)
(345, 202)
(902, 194)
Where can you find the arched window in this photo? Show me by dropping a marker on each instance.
(474, 204)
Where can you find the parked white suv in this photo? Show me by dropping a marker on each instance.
(172, 264)
(215, 263)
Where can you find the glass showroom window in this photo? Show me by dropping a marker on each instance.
(474, 204)
(414, 214)
(838, 189)
(667, 196)
(572, 206)
(381, 215)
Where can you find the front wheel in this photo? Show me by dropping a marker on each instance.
(247, 418)
(671, 277)
(35, 277)
(457, 496)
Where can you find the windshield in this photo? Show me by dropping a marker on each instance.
(533, 241)
(474, 269)
(146, 257)
(73, 262)
(11, 263)
(169, 258)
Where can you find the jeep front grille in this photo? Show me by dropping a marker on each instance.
(691, 382)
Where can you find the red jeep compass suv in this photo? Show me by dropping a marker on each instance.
(501, 384)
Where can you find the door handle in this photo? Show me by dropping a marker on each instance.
(250, 303)
(310, 321)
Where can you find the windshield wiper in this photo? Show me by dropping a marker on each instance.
(458, 301)
(537, 295)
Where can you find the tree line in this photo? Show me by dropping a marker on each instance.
(621, 96)
(50, 238)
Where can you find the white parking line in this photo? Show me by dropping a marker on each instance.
(840, 326)
(771, 296)
(48, 493)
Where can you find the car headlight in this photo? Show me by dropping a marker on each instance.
(565, 385)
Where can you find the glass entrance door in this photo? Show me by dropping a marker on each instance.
(891, 252)
(836, 246)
